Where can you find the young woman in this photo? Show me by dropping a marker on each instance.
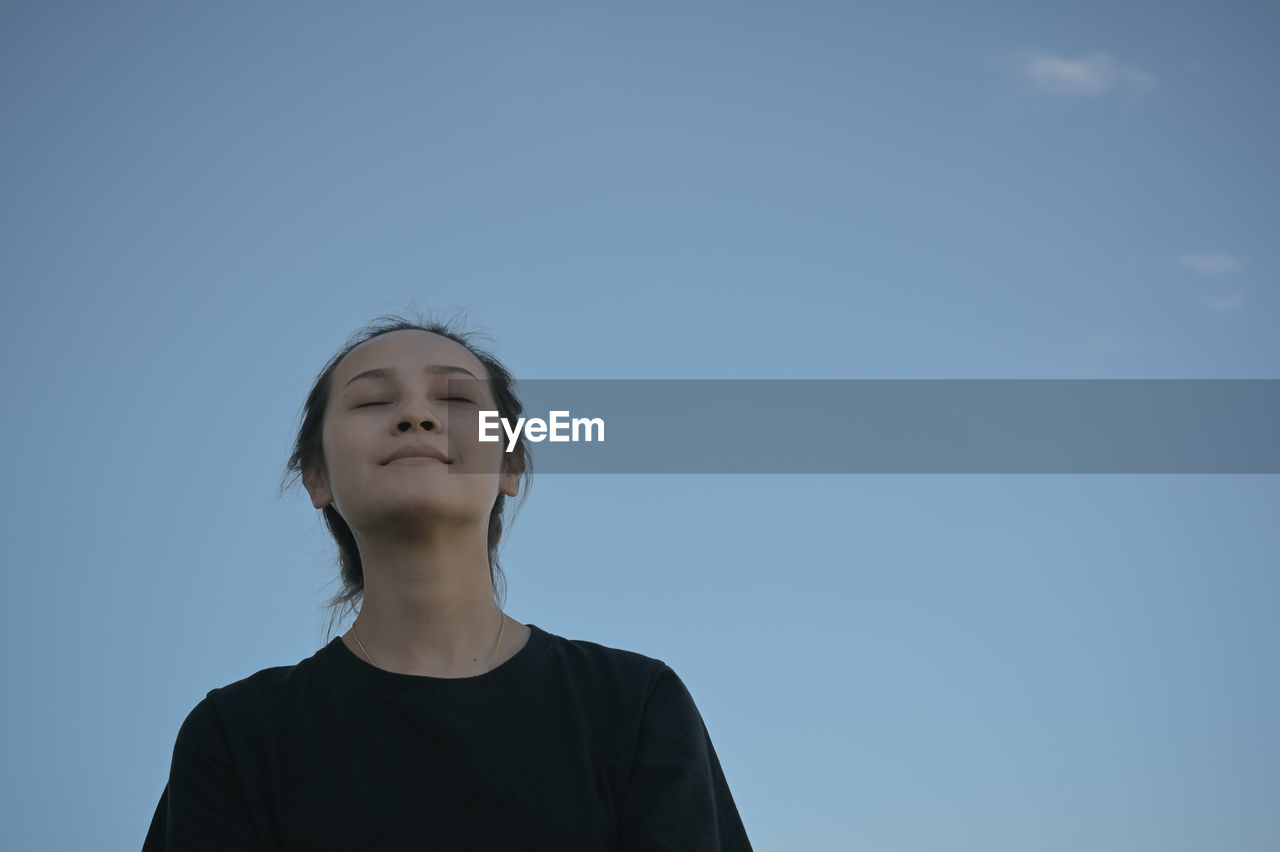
(437, 721)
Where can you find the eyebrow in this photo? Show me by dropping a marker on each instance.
(388, 372)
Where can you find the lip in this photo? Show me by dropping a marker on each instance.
(416, 453)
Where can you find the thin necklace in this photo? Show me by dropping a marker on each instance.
(492, 663)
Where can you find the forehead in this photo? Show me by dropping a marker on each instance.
(408, 351)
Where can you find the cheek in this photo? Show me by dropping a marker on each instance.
(497, 459)
(333, 445)
(464, 444)
(326, 450)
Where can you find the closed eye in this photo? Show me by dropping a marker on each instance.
(446, 399)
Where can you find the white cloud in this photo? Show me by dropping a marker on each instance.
(1095, 74)
(1225, 300)
(1213, 264)
(1217, 268)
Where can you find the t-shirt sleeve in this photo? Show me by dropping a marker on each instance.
(204, 804)
(677, 799)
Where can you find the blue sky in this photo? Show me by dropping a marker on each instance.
(202, 200)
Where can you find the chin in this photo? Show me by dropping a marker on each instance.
(426, 507)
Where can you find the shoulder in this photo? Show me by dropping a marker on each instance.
(604, 660)
(256, 695)
(263, 685)
(628, 676)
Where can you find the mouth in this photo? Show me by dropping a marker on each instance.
(416, 454)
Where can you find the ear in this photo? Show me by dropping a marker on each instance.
(509, 484)
(318, 487)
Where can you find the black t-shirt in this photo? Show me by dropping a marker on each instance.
(567, 746)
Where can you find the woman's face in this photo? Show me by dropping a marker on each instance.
(411, 391)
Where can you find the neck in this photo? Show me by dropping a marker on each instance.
(429, 609)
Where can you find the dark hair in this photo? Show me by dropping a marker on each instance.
(308, 452)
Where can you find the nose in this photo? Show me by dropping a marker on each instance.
(418, 414)
(405, 425)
